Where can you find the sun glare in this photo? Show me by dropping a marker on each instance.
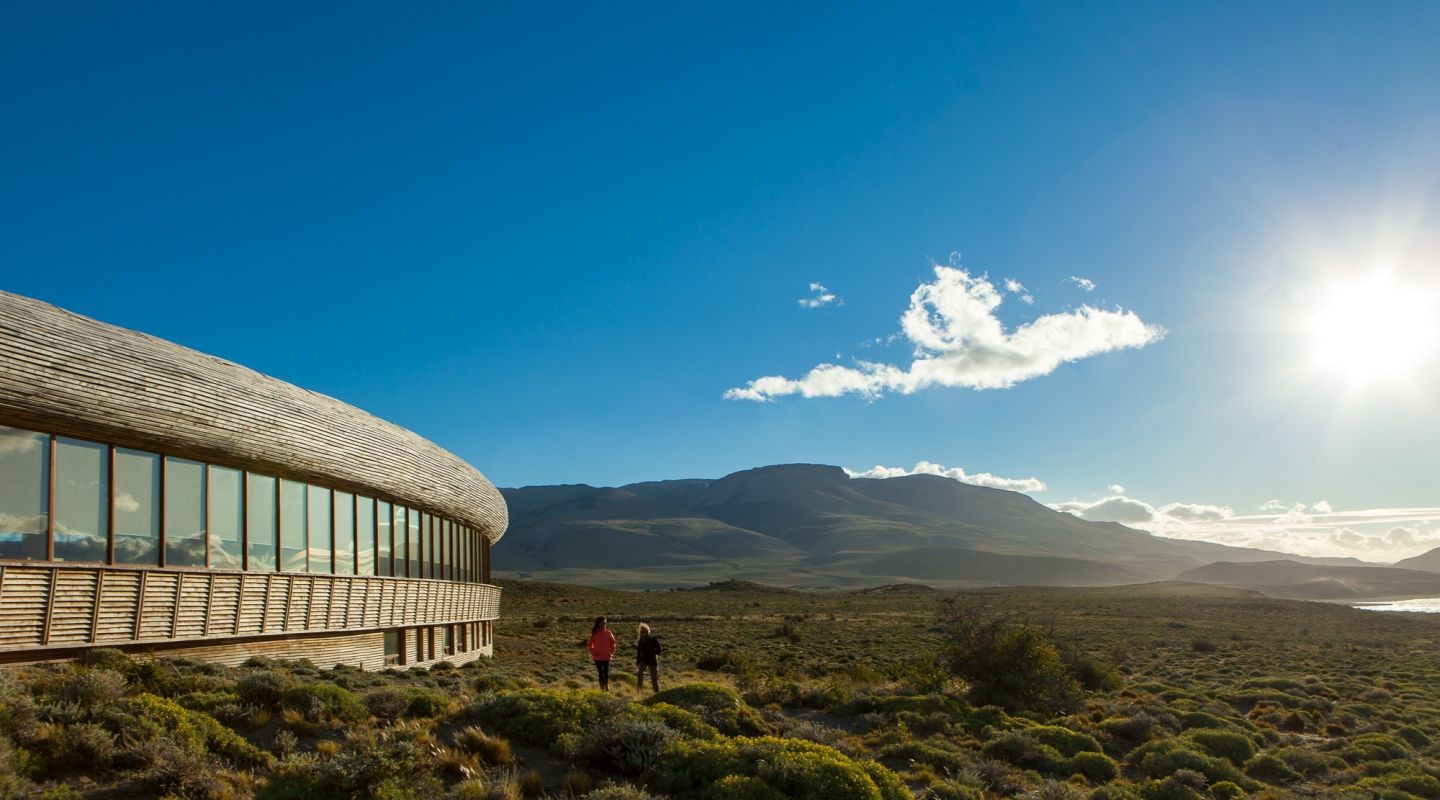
(1370, 329)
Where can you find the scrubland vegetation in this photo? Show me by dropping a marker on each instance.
(1155, 692)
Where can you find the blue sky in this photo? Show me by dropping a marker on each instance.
(551, 239)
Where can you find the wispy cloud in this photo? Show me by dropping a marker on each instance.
(820, 297)
(1316, 529)
(958, 341)
(1084, 283)
(1017, 288)
(955, 473)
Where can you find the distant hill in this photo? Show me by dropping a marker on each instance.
(1288, 578)
(807, 525)
(1429, 561)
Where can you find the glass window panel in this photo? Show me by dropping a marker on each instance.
(413, 556)
(184, 513)
(427, 545)
(137, 507)
(344, 533)
(24, 493)
(82, 500)
(260, 508)
(465, 553)
(292, 526)
(383, 564)
(226, 517)
(450, 550)
(365, 536)
(321, 536)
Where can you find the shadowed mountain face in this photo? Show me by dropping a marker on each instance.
(1429, 561)
(810, 525)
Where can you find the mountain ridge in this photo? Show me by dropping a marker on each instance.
(814, 525)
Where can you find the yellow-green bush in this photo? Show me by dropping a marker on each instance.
(717, 705)
(541, 716)
(796, 769)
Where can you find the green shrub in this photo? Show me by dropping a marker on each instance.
(1096, 767)
(1007, 661)
(626, 745)
(719, 706)
(1023, 750)
(107, 658)
(1180, 785)
(1268, 768)
(541, 716)
(1233, 747)
(325, 702)
(1200, 719)
(1163, 757)
(742, 787)
(264, 688)
(147, 717)
(684, 722)
(392, 768)
(86, 745)
(426, 703)
(92, 689)
(1306, 762)
(1374, 747)
(1225, 790)
(795, 769)
(1064, 740)
(387, 703)
(1114, 793)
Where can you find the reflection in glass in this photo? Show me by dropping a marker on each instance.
(365, 536)
(227, 518)
(24, 493)
(383, 563)
(82, 500)
(260, 507)
(413, 556)
(137, 507)
(427, 546)
(344, 533)
(321, 537)
(184, 513)
(292, 526)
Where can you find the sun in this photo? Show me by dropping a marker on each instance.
(1371, 329)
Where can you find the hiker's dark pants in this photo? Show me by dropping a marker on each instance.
(654, 676)
(602, 668)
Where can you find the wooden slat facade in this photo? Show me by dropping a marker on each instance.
(71, 375)
(47, 607)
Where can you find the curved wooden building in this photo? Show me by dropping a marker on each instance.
(156, 498)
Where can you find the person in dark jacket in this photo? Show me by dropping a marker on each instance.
(602, 647)
(647, 656)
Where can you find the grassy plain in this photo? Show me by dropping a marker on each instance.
(772, 693)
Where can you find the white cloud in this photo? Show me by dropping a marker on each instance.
(956, 473)
(958, 341)
(1196, 512)
(1017, 288)
(17, 442)
(125, 502)
(820, 297)
(1116, 488)
(1084, 283)
(1315, 530)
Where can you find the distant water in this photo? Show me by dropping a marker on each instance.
(1423, 605)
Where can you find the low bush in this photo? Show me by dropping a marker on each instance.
(541, 716)
(426, 703)
(791, 768)
(92, 689)
(324, 702)
(1233, 747)
(1024, 751)
(1065, 741)
(630, 746)
(719, 706)
(1266, 767)
(264, 688)
(1096, 767)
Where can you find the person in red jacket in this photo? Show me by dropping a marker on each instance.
(602, 649)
